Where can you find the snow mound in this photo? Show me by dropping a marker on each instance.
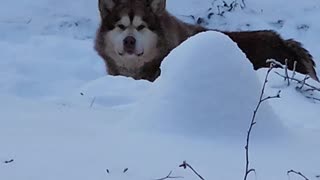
(109, 91)
(207, 88)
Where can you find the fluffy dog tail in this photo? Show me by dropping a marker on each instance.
(303, 57)
(262, 45)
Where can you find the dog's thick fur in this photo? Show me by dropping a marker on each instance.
(154, 33)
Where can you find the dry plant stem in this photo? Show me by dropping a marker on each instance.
(92, 102)
(294, 69)
(253, 121)
(313, 98)
(186, 165)
(170, 177)
(286, 72)
(243, 4)
(9, 161)
(275, 63)
(303, 82)
(297, 173)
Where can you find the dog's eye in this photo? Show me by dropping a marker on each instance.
(139, 28)
(121, 26)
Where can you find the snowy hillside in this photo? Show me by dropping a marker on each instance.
(62, 118)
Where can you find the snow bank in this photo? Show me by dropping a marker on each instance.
(207, 87)
(52, 131)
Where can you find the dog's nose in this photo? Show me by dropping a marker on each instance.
(129, 44)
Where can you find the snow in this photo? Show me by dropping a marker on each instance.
(62, 118)
(209, 95)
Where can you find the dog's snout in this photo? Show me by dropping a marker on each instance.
(130, 40)
(129, 44)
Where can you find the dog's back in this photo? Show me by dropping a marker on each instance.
(262, 45)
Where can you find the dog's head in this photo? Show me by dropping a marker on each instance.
(129, 28)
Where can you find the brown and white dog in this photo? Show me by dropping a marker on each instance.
(136, 35)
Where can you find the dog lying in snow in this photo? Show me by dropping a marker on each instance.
(136, 35)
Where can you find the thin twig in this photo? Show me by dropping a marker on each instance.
(253, 121)
(286, 72)
(125, 170)
(313, 98)
(271, 97)
(170, 177)
(294, 69)
(8, 161)
(303, 82)
(92, 102)
(297, 173)
(185, 165)
(309, 90)
(243, 4)
(275, 63)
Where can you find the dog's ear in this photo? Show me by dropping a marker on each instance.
(106, 6)
(158, 6)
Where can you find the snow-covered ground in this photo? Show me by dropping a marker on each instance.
(62, 118)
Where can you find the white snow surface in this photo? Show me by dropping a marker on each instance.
(205, 90)
(62, 118)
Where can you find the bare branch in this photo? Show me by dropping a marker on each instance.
(125, 170)
(253, 120)
(275, 63)
(271, 97)
(185, 165)
(302, 82)
(309, 90)
(170, 177)
(252, 171)
(286, 73)
(294, 69)
(304, 87)
(297, 173)
(313, 98)
(92, 102)
(243, 4)
(8, 161)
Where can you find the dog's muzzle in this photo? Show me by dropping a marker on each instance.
(129, 44)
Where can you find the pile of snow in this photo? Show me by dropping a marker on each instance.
(207, 88)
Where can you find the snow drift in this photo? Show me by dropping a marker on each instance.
(207, 87)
